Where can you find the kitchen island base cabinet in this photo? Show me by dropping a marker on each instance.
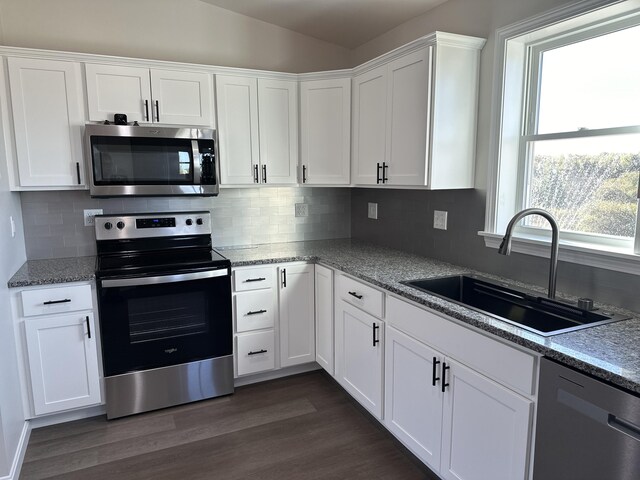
(63, 362)
(359, 349)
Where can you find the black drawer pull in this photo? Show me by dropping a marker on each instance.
(88, 326)
(378, 179)
(445, 367)
(256, 312)
(435, 379)
(52, 302)
(354, 294)
(375, 339)
(261, 279)
(258, 352)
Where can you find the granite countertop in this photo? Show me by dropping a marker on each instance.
(609, 352)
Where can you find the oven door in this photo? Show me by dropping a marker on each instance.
(150, 322)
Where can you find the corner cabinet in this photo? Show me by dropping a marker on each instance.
(258, 130)
(325, 131)
(414, 115)
(149, 95)
(46, 104)
(57, 341)
(324, 318)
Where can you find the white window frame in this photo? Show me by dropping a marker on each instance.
(512, 118)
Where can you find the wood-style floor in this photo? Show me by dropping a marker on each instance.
(301, 427)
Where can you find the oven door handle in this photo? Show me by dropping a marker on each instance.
(182, 277)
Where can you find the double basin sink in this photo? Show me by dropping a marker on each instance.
(537, 314)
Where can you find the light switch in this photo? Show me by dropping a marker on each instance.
(440, 219)
(373, 211)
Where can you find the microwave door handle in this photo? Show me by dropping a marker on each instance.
(181, 277)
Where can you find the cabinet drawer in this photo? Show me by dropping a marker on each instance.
(362, 296)
(507, 365)
(253, 278)
(56, 300)
(255, 352)
(254, 310)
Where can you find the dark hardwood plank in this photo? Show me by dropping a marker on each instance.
(302, 427)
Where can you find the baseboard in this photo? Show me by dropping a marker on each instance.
(69, 416)
(16, 465)
(273, 374)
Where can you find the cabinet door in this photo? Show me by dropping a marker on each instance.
(116, 89)
(486, 428)
(297, 332)
(409, 93)
(63, 362)
(324, 317)
(325, 131)
(182, 98)
(237, 104)
(46, 98)
(278, 126)
(360, 356)
(413, 404)
(369, 125)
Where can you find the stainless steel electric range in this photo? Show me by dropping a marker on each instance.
(164, 298)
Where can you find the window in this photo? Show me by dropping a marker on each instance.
(569, 129)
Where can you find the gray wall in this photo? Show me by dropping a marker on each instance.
(405, 222)
(54, 223)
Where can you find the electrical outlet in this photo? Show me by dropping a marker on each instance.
(89, 220)
(302, 210)
(13, 226)
(440, 219)
(373, 211)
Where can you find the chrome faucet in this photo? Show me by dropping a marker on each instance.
(505, 246)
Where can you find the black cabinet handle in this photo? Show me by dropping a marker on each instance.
(157, 111)
(435, 379)
(51, 302)
(354, 294)
(445, 367)
(260, 279)
(378, 173)
(384, 172)
(258, 352)
(86, 319)
(304, 174)
(256, 312)
(284, 278)
(146, 110)
(375, 339)
(78, 172)
(264, 174)
(255, 174)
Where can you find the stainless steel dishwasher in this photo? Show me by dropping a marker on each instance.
(586, 429)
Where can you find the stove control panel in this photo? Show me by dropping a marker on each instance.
(125, 226)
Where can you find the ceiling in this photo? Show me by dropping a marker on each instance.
(348, 23)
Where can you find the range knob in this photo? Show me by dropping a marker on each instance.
(108, 226)
(199, 221)
(189, 222)
(120, 225)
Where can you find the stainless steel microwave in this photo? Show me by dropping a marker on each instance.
(127, 160)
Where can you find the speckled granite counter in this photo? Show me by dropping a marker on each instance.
(609, 351)
(55, 270)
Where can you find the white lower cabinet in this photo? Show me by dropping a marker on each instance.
(359, 349)
(324, 318)
(63, 362)
(297, 332)
(255, 352)
(461, 423)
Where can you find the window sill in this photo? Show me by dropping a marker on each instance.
(584, 254)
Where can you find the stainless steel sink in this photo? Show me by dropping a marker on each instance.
(537, 314)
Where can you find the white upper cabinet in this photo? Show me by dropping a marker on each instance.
(414, 116)
(325, 131)
(46, 99)
(258, 130)
(149, 95)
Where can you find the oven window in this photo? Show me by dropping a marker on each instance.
(142, 161)
(158, 318)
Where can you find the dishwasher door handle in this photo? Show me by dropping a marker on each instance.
(624, 426)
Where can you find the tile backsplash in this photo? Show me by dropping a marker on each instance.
(54, 222)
